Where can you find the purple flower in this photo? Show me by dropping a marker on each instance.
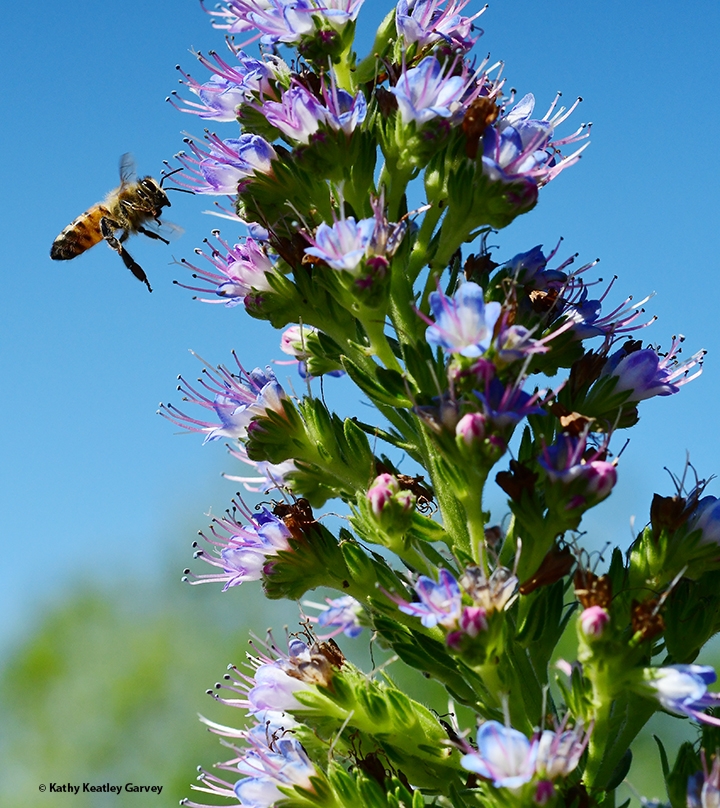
(682, 689)
(297, 115)
(284, 764)
(241, 551)
(237, 271)
(267, 475)
(559, 752)
(515, 343)
(494, 593)
(706, 518)
(519, 147)
(274, 690)
(505, 405)
(503, 755)
(275, 20)
(430, 91)
(463, 324)
(644, 373)
(584, 314)
(284, 20)
(226, 164)
(589, 479)
(236, 401)
(703, 789)
(425, 22)
(343, 112)
(344, 244)
(272, 760)
(341, 614)
(219, 99)
(228, 87)
(526, 267)
(294, 343)
(439, 603)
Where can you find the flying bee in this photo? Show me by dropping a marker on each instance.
(133, 207)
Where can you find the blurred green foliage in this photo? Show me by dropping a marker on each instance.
(107, 689)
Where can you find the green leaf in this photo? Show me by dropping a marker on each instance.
(372, 386)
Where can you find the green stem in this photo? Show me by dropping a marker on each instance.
(472, 502)
(419, 255)
(395, 180)
(452, 512)
(341, 69)
(618, 719)
(374, 324)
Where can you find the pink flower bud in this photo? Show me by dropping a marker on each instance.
(593, 621)
(381, 492)
(544, 792)
(471, 428)
(293, 339)
(473, 620)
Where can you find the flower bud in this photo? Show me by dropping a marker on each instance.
(473, 620)
(470, 429)
(544, 792)
(381, 492)
(593, 621)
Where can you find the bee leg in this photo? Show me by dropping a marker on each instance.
(150, 234)
(106, 228)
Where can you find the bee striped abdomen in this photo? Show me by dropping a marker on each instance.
(80, 235)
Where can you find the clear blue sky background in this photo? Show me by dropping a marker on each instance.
(94, 483)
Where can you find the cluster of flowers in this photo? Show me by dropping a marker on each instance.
(444, 344)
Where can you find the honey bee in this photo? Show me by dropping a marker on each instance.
(132, 208)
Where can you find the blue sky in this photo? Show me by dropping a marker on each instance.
(95, 485)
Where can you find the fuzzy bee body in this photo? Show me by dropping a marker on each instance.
(80, 234)
(127, 210)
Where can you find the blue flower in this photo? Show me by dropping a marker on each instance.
(429, 91)
(343, 111)
(463, 324)
(503, 755)
(344, 244)
(506, 405)
(228, 87)
(284, 20)
(236, 401)
(283, 763)
(644, 373)
(340, 614)
(706, 518)
(439, 602)
(297, 115)
(520, 147)
(221, 168)
(424, 22)
(682, 689)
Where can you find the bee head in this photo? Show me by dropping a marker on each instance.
(155, 192)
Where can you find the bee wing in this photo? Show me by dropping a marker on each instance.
(128, 172)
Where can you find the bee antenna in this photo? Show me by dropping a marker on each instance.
(182, 190)
(164, 175)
